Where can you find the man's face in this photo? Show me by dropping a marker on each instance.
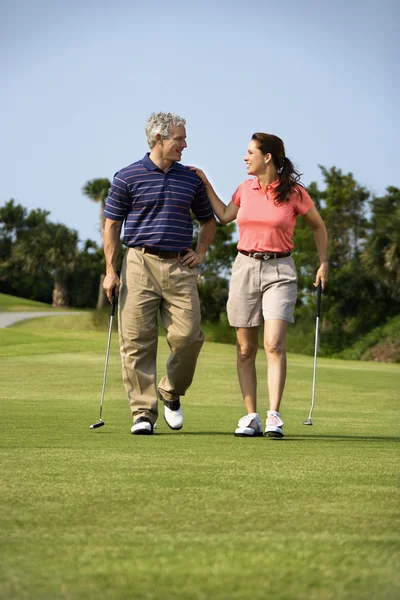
(174, 145)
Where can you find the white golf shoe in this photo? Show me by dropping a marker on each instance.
(142, 426)
(273, 425)
(249, 426)
(173, 413)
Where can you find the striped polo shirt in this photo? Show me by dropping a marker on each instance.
(156, 205)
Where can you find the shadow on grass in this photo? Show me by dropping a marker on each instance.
(298, 438)
(344, 438)
(289, 438)
(181, 434)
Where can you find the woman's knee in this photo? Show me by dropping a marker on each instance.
(275, 346)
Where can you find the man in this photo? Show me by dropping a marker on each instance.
(154, 197)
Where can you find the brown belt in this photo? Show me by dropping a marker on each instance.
(265, 255)
(161, 253)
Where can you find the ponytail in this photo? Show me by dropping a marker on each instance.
(289, 180)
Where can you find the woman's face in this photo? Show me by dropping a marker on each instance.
(256, 161)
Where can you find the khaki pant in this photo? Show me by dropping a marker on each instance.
(150, 284)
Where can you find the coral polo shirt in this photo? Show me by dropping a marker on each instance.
(263, 225)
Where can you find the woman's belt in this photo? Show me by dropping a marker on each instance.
(265, 255)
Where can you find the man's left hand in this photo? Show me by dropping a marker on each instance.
(191, 259)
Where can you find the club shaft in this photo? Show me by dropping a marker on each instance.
(315, 367)
(106, 364)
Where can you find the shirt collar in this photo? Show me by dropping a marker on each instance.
(148, 163)
(255, 184)
(150, 166)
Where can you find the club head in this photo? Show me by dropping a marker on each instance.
(96, 425)
(308, 422)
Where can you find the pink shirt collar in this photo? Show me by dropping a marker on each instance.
(255, 184)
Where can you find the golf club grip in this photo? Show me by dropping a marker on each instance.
(114, 298)
(113, 303)
(319, 294)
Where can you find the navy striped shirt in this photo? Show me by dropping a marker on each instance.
(156, 205)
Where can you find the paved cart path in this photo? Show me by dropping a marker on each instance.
(9, 318)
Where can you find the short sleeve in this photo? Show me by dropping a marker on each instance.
(118, 202)
(236, 196)
(200, 205)
(302, 201)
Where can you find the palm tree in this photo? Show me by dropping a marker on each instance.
(97, 190)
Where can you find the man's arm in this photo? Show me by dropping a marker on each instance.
(112, 232)
(205, 238)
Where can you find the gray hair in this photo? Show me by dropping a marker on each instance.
(161, 123)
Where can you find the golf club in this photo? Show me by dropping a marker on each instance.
(319, 293)
(100, 422)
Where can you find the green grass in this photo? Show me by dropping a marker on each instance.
(14, 303)
(196, 514)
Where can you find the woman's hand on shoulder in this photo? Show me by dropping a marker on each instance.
(200, 174)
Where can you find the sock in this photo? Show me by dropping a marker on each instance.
(273, 412)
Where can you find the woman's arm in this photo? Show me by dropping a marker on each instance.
(225, 212)
(314, 220)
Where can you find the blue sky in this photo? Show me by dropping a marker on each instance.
(79, 79)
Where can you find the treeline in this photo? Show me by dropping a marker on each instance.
(364, 259)
(45, 261)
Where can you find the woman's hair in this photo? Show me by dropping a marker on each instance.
(161, 123)
(289, 178)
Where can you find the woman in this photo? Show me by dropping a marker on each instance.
(263, 285)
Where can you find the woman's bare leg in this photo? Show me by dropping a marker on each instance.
(247, 345)
(275, 349)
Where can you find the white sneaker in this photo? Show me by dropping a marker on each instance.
(173, 413)
(249, 426)
(273, 425)
(142, 426)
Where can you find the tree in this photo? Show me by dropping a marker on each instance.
(83, 281)
(15, 224)
(344, 208)
(356, 299)
(42, 261)
(48, 249)
(381, 255)
(98, 190)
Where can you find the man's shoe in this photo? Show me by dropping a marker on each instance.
(142, 426)
(249, 426)
(273, 425)
(173, 413)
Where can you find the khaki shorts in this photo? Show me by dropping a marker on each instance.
(261, 290)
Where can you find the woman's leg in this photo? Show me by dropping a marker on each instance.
(247, 345)
(275, 349)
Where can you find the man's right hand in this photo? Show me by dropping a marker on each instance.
(111, 282)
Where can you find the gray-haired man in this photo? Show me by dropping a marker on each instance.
(154, 197)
